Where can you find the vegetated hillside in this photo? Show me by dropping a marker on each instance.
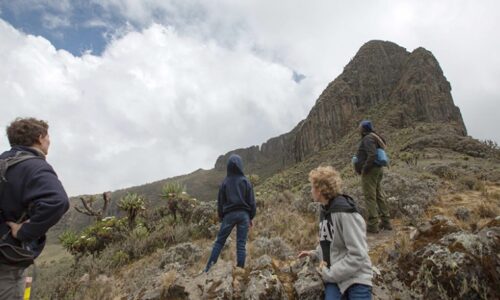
(444, 197)
(443, 189)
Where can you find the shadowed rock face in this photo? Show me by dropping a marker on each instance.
(407, 87)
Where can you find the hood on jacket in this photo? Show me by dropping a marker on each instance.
(235, 166)
(341, 203)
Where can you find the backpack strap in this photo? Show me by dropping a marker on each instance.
(5, 164)
(8, 162)
(379, 140)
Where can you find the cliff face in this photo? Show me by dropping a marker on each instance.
(423, 93)
(410, 87)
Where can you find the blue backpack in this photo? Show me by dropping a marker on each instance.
(382, 159)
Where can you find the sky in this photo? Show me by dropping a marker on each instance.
(138, 91)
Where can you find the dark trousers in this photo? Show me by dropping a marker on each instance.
(11, 282)
(354, 292)
(240, 219)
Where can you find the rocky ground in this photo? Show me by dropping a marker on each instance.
(451, 254)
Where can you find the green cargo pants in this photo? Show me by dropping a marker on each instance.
(376, 203)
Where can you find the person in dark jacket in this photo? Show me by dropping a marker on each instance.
(236, 207)
(32, 199)
(371, 178)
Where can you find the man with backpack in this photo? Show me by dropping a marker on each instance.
(372, 173)
(32, 199)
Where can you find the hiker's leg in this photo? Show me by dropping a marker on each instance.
(383, 208)
(332, 291)
(224, 231)
(369, 185)
(359, 292)
(11, 282)
(241, 237)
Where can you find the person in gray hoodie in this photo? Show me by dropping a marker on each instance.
(345, 265)
(235, 207)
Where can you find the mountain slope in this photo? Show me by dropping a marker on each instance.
(433, 162)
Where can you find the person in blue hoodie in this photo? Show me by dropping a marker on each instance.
(32, 199)
(236, 207)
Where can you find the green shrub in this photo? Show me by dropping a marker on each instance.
(119, 258)
(411, 159)
(178, 201)
(94, 238)
(173, 190)
(68, 240)
(132, 204)
(254, 179)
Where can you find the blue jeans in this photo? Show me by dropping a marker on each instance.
(240, 219)
(354, 292)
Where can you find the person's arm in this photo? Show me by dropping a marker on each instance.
(251, 200)
(357, 250)
(48, 202)
(221, 199)
(370, 147)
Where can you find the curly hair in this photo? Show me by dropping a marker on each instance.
(327, 181)
(26, 131)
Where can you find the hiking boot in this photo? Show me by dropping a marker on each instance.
(373, 229)
(386, 225)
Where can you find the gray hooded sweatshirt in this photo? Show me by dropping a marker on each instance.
(345, 238)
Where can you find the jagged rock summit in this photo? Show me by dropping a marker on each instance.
(383, 81)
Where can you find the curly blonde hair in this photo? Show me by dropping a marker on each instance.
(327, 181)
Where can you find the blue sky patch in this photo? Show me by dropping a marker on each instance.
(78, 29)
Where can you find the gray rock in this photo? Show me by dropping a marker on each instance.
(309, 285)
(152, 295)
(263, 262)
(185, 254)
(459, 263)
(275, 246)
(462, 213)
(264, 284)
(216, 284)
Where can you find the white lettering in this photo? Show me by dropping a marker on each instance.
(325, 231)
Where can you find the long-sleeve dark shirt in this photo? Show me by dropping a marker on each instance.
(33, 187)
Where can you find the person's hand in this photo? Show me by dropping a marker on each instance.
(322, 265)
(304, 254)
(251, 223)
(14, 227)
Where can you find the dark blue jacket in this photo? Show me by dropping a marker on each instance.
(31, 183)
(235, 192)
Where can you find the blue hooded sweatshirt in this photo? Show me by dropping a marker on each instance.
(32, 186)
(235, 192)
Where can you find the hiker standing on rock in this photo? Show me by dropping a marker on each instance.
(32, 199)
(371, 178)
(236, 207)
(343, 251)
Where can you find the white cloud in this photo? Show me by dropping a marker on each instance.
(156, 104)
(205, 77)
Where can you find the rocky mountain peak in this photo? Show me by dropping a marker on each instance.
(383, 82)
